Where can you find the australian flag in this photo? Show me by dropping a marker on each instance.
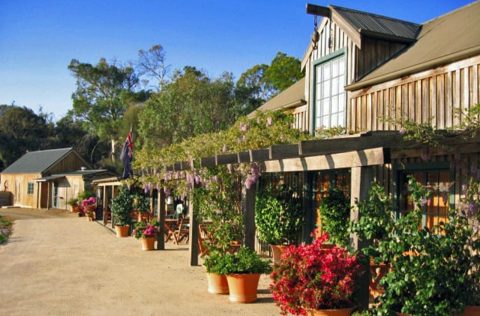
(126, 156)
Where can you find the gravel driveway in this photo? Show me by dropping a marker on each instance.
(56, 264)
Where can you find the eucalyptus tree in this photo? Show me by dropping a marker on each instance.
(101, 97)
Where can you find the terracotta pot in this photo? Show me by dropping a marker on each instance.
(277, 251)
(122, 231)
(243, 287)
(148, 243)
(330, 312)
(471, 311)
(217, 283)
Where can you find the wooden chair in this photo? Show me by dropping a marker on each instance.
(203, 238)
(182, 231)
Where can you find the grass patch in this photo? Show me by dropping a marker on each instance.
(5, 229)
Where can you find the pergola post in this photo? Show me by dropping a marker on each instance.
(249, 196)
(161, 219)
(193, 231)
(361, 180)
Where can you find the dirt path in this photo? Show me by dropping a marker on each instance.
(67, 266)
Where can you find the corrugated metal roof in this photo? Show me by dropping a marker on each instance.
(446, 39)
(293, 95)
(379, 26)
(37, 161)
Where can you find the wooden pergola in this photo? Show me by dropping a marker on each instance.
(358, 152)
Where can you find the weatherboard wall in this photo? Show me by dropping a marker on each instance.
(438, 96)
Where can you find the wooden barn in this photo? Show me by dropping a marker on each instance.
(48, 178)
(369, 74)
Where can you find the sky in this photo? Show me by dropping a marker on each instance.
(39, 38)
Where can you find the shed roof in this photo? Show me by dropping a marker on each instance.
(37, 161)
(292, 96)
(375, 25)
(446, 39)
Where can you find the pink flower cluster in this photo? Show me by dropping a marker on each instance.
(314, 277)
(90, 201)
(150, 231)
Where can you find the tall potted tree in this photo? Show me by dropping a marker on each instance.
(278, 218)
(121, 207)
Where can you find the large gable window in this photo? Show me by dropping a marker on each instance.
(330, 93)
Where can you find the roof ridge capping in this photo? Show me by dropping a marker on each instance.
(374, 14)
(52, 149)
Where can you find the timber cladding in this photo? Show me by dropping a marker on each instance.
(437, 96)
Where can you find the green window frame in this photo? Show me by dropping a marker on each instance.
(329, 97)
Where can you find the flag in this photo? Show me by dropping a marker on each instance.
(127, 155)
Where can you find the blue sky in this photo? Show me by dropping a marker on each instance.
(38, 38)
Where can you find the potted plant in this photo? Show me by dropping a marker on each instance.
(73, 203)
(243, 269)
(121, 207)
(141, 204)
(434, 271)
(313, 280)
(217, 282)
(89, 205)
(147, 233)
(278, 218)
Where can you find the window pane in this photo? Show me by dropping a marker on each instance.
(334, 104)
(326, 71)
(325, 106)
(334, 86)
(341, 66)
(325, 121)
(335, 68)
(341, 119)
(326, 89)
(334, 120)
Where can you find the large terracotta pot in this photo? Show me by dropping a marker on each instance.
(243, 287)
(277, 251)
(471, 311)
(148, 243)
(217, 283)
(330, 312)
(122, 231)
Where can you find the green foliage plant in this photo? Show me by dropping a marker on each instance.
(141, 202)
(432, 270)
(335, 214)
(219, 205)
(5, 229)
(278, 216)
(376, 220)
(122, 205)
(244, 261)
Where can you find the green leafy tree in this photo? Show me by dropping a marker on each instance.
(283, 71)
(261, 82)
(101, 97)
(190, 105)
(21, 130)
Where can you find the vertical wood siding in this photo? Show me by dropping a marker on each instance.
(436, 96)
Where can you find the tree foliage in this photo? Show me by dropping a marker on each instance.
(102, 95)
(22, 130)
(190, 105)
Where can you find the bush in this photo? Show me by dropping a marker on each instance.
(314, 277)
(244, 261)
(335, 214)
(122, 206)
(278, 218)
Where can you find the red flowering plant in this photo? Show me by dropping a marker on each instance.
(144, 230)
(314, 277)
(88, 206)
